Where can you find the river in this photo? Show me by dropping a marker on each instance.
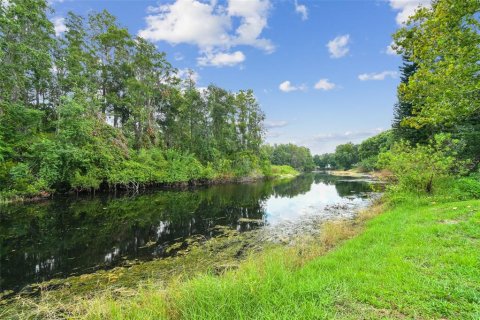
(74, 235)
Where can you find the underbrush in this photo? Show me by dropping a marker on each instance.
(283, 171)
(446, 189)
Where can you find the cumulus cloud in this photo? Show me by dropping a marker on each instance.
(325, 85)
(377, 76)
(253, 14)
(302, 10)
(221, 59)
(210, 27)
(286, 86)
(338, 47)
(275, 124)
(186, 21)
(59, 25)
(407, 8)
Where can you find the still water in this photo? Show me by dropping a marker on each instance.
(75, 235)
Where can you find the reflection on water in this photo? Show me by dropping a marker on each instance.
(69, 235)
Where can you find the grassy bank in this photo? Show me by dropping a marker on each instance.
(419, 259)
(413, 261)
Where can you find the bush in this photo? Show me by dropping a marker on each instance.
(420, 168)
(283, 171)
(368, 164)
(468, 187)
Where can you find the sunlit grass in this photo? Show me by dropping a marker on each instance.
(411, 262)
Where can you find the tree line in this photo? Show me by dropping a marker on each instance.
(297, 157)
(435, 133)
(98, 106)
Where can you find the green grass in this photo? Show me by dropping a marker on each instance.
(415, 261)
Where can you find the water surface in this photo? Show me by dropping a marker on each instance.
(75, 235)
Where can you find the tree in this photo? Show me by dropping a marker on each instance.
(419, 168)
(346, 155)
(442, 42)
(97, 106)
(25, 60)
(297, 157)
(404, 110)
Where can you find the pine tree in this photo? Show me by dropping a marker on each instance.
(404, 109)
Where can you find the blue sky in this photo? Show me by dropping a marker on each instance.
(321, 70)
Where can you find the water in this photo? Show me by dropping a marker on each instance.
(75, 235)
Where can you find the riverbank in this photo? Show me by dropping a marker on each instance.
(274, 173)
(417, 259)
(116, 243)
(349, 173)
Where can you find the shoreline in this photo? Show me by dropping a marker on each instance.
(44, 195)
(230, 250)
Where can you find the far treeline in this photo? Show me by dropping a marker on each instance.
(99, 108)
(435, 134)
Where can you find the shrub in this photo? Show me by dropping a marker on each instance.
(468, 187)
(419, 168)
(283, 171)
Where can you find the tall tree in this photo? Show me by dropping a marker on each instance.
(26, 44)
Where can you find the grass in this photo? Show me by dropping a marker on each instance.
(415, 261)
(419, 260)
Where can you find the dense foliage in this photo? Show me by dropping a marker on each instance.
(420, 168)
(98, 107)
(292, 155)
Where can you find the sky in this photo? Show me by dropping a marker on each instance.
(323, 71)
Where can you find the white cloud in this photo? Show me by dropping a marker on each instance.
(338, 47)
(377, 76)
(221, 59)
(324, 84)
(271, 134)
(210, 26)
(59, 25)
(390, 50)
(286, 86)
(302, 10)
(275, 124)
(253, 14)
(407, 8)
(187, 21)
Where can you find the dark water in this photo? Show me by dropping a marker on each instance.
(70, 235)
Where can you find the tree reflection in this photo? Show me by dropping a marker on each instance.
(70, 235)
